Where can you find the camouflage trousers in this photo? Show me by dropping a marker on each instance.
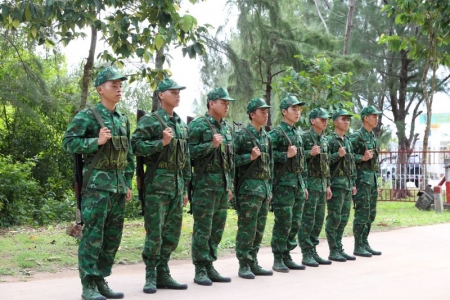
(312, 220)
(287, 207)
(338, 214)
(209, 209)
(163, 216)
(252, 217)
(103, 216)
(365, 211)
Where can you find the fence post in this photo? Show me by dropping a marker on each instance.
(447, 179)
(438, 203)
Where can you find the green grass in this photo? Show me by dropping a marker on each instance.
(26, 251)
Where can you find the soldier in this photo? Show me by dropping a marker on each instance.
(211, 149)
(254, 163)
(366, 159)
(289, 192)
(102, 135)
(343, 175)
(318, 184)
(161, 138)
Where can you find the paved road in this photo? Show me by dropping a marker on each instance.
(415, 265)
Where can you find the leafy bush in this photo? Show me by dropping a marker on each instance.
(18, 191)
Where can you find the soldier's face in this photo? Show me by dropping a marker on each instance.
(292, 114)
(111, 91)
(371, 120)
(342, 123)
(220, 107)
(170, 98)
(260, 116)
(319, 123)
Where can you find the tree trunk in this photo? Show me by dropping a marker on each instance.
(320, 16)
(349, 27)
(268, 92)
(86, 80)
(159, 62)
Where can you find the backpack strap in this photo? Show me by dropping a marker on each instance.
(286, 136)
(97, 155)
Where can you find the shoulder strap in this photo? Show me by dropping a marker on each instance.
(213, 128)
(98, 117)
(313, 138)
(284, 133)
(252, 136)
(158, 117)
(362, 138)
(97, 155)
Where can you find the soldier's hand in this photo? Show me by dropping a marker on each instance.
(230, 195)
(367, 155)
(342, 151)
(315, 150)
(217, 140)
(167, 136)
(329, 193)
(292, 151)
(255, 153)
(103, 136)
(354, 190)
(185, 200)
(128, 197)
(306, 194)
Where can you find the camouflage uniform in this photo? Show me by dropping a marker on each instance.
(103, 201)
(343, 175)
(212, 181)
(318, 179)
(367, 185)
(254, 193)
(288, 190)
(164, 187)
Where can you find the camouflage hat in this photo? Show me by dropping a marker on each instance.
(168, 84)
(370, 110)
(219, 93)
(107, 74)
(256, 103)
(290, 100)
(341, 112)
(318, 113)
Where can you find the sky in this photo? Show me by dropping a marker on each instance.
(185, 71)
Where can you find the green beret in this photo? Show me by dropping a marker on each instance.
(168, 84)
(256, 103)
(341, 112)
(318, 113)
(290, 100)
(370, 110)
(219, 93)
(107, 74)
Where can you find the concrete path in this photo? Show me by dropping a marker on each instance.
(415, 265)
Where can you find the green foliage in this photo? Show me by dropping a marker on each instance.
(317, 85)
(18, 190)
(130, 28)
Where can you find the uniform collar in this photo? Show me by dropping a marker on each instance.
(262, 132)
(286, 126)
(364, 131)
(103, 110)
(165, 116)
(214, 121)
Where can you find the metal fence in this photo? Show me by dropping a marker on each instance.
(402, 174)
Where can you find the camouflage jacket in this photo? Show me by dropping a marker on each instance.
(311, 138)
(219, 171)
(82, 137)
(343, 164)
(243, 145)
(366, 170)
(147, 142)
(284, 175)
